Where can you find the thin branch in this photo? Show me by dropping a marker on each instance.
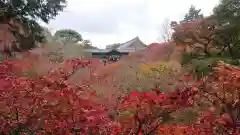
(140, 123)
(223, 49)
(153, 130)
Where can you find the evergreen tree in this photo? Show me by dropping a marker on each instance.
(193, 14)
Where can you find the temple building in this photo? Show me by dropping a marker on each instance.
(115, 53)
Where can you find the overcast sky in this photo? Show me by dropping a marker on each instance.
(111, 21)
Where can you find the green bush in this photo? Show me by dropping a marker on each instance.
(188, 57)
(202, 65)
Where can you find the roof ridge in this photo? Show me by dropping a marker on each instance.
(130, 40)
(122, 45)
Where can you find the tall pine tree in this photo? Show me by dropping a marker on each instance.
(193, 14)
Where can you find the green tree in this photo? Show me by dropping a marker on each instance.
(227, 13)
(193, 14)
(68, 36)
(212, 38)
(22, 16)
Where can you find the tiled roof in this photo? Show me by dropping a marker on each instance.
(108, 50)
(128, 43)
(123, 48)
(97, 50)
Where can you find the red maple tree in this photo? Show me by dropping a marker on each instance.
(47, 104)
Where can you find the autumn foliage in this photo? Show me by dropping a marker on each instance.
(48, 105)
(50, 92)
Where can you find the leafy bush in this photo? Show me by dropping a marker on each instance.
(48, 105)
(201, 65)
(163, 75)
(213, 97)
(187, 58)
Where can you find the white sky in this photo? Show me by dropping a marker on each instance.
(111, 21)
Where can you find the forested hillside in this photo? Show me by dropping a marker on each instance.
(185, 86)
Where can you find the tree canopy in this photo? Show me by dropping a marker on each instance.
(22, 16)
(227, 14)
(220, 31)
(68, 35)
(210, 38)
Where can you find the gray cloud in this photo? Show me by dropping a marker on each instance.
(110, 21)
(106, 19)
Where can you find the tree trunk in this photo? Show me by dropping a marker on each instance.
(231, 51)
(206, 50)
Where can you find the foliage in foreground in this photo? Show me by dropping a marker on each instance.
(48, 105)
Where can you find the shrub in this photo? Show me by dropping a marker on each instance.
(163, 75)
(214, 98)
(47, 104)
(202, 66)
